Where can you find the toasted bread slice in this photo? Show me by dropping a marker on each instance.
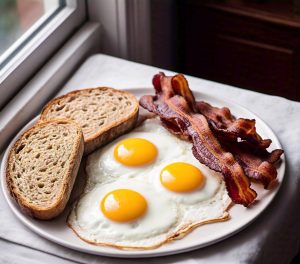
(103, 113)
(42, 166)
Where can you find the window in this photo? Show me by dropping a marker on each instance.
(19, 19)
(30, 32)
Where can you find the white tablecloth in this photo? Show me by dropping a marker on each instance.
(272, 238)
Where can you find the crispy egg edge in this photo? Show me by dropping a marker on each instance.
(179, 234)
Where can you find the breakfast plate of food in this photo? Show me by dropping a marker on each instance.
(141, 172)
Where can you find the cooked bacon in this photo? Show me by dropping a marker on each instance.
(176, 112)
(220, 141)
(258, 165)
(223, 122)
(220, 119)
(274, 156)
(179, 85)
(253, 157)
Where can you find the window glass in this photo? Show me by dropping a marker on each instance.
(19, 16)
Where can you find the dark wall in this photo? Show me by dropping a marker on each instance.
(164, 33)
(253, 45)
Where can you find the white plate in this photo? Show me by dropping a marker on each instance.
(58, 232)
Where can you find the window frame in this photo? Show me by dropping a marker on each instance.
(27, 59)
(82, 28)
(124, 21)
(17, 45)
(29, 101)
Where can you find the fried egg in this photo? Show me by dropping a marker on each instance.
(124, 213)
(186, 180)
(146, 188)
(134, 154)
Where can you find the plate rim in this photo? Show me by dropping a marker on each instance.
(104, 251)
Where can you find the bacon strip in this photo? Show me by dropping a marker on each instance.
(220, 119)
(258, 166)
(251, 154)
(223, 122)
(175, 110)
(180, 85)
(253, 157)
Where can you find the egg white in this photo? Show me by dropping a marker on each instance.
(164, 221)
(170, 214)
(102, 166)
(211, 185)
(154, 226)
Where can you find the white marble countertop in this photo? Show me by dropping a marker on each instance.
(272, 238)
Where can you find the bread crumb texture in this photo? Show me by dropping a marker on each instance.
(93, 110)
(39, 162)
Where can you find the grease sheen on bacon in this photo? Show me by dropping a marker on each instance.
(251, 153)
(176, 109)
(223, 122)
(257, 164)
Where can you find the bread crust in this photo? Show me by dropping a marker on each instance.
(47, 213)
(110, 132)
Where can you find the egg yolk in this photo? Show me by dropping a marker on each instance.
(135, 152)
(123, 205)
(181, 177)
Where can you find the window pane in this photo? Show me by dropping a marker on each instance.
(18, 16)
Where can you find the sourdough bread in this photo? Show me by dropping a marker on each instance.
(103, 113)
(42, 166)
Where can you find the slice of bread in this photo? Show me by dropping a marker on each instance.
(42, 166)
(103, 113)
